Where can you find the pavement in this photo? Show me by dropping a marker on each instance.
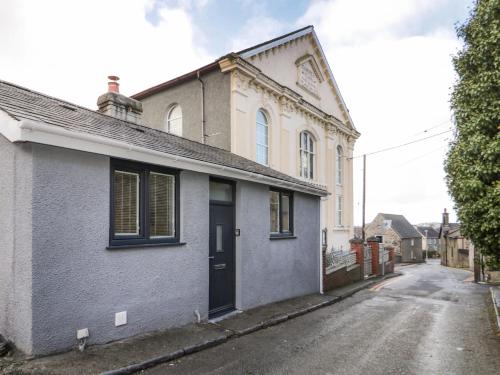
(143, 352)
(431, 320)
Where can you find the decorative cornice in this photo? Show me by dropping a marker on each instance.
(247, 76)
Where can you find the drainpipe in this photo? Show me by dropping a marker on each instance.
(322, 225)
(202, 86)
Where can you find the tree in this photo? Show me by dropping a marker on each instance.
(473, 160)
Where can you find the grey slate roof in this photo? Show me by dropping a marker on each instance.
(402, 226)
(451, 228)
(431, 232)
(22, 103)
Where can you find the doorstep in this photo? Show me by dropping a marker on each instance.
(138, 353)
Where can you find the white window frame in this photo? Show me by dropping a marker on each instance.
(306, 155)
(339, 211)
(170, 119)
(257, 144)
(339, 173)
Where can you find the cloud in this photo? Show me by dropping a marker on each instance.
(67, 48)
(396, 83)
(257, 30)
(353, 21)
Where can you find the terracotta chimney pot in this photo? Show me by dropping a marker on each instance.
(113, 85)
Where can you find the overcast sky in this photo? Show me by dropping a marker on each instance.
(391, 59)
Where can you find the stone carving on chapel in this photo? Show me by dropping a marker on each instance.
(308, 74)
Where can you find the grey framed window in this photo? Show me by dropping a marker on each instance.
(144, 204)
(281, 213)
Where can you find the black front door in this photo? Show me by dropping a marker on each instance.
(221, 248)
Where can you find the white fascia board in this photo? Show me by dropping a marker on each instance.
(37, 132)
(9, 127)
(276, 43)
(323, 56)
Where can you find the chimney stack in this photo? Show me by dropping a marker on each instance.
(446, 218)
(113, 85)
(117, 105)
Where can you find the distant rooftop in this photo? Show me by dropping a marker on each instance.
(401, 226)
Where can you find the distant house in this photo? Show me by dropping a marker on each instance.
(456, 250)
(430, 238)
(396, 231)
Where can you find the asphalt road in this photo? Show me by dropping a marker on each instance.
(432, 320)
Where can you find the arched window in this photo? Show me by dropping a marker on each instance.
(262, 138)
(306, 155)
(338, 165)
(174, 120)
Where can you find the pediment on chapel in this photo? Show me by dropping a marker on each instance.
(297, 62)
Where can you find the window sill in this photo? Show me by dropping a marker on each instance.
(142, 245)
(284, 237)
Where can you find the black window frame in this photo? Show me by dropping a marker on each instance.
(143, 238)
(290, 232)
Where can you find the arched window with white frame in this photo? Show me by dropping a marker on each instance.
(174, 120)
(338, 165)
(306, 155)
(262, 138)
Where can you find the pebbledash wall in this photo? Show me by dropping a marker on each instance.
(271, 270)
(58, 276)
(15, 242)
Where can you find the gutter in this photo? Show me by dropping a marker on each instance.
(176, 81)
(38, 132)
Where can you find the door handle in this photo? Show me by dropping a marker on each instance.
(211, 257)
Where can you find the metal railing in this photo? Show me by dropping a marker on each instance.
(383, 255)
(336, 260)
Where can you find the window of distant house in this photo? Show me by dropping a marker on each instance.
(387, 224)
(174, 120)
(338, 165)
(412, 242)
(144, 204)
(338, 211)
(306, 155)
(262, 138)
(281, 210)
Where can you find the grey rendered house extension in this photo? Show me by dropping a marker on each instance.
(108, 222)
(395, 230)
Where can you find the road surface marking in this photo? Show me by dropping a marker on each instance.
(379, 286)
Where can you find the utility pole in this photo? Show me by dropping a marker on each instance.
(364, 197)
